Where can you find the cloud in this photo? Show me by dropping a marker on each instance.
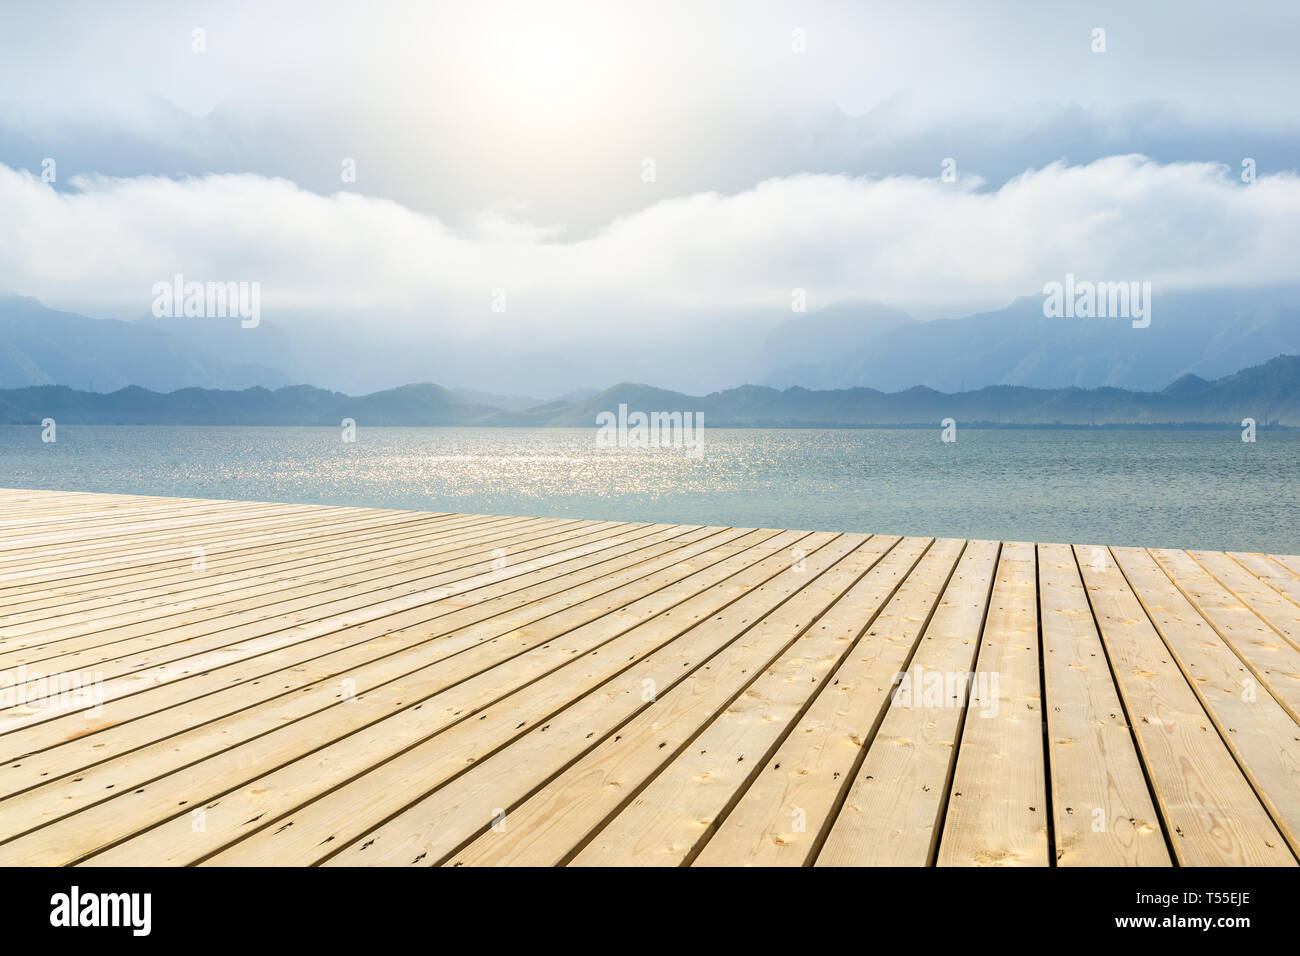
(909, 241)
(450, 108)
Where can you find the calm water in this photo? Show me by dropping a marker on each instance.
(1203, 489)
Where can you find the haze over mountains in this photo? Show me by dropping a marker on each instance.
(848, 345)
(1209, 334)
(40, 346)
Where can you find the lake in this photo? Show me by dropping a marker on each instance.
(1174, 488)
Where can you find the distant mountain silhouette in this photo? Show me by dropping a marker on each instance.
(1268, 393)
(1188, 384)
(509, 403)
(859, 344)
(825, 343)
(1208, 334)
(40, 346)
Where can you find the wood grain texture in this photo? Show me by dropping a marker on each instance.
(1212, 814)
(894, 807)
(189, 681)
(1101, 806)
(997, 806)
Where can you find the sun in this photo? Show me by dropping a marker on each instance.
(548, 64)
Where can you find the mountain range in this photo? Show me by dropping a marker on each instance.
(1208, 334)
(1268, 393)
(40, 346)
(848, 345)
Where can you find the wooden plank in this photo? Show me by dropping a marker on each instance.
(567, 734)
(52, 537)
(39, 580)
(16, 549)
(451, 566)
(220, 551)
(733, 698)
(576, 709)
(380, 720)
(45, 530)
(997, 807)
(1269, 572)
(27, 568)
(781, 816)
(413, 543)
(217, 574)
(1290, 561)
(80, 641)
(1273, 662)
(1261, 735)
(894, 806)
(1101, 805)
(1275, 609)
(443, 594)
(495, 629)
(1211, 813)
(352, 685)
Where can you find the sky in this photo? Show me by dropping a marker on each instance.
(581, 178)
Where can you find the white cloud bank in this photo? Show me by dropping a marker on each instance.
(903, 240)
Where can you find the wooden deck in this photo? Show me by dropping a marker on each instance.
(227, 683)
